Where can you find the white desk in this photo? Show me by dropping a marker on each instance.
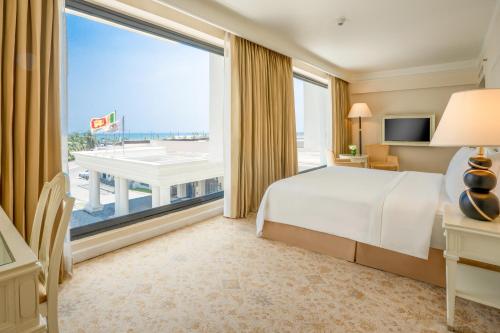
(19, 269)
(473, 240)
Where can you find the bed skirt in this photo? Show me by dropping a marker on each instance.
(432, 270)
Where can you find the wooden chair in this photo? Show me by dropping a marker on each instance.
(379, 158)
(53, 209)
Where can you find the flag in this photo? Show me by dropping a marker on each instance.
(107, 123)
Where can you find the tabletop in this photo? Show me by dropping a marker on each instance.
(456, 220)
(5, 255)
(14, 251)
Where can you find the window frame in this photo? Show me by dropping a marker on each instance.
(90, 9)
(305, 78)
(308, 79)
(93, 10)
(137, 217)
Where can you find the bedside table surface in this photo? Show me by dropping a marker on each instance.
(456, 220)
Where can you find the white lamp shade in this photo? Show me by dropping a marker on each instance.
(471, 118)
(360, 110)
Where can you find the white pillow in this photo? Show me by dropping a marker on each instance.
(454, 178)
(495, 167)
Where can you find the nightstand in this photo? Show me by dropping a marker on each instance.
(478, 244)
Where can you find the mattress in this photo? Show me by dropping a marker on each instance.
(363, 205)
(437, 237)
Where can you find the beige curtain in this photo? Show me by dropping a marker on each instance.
(341, 132)
(263, 137)
(30, 146)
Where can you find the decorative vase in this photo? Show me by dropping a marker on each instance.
(477, 202)
(353, 149)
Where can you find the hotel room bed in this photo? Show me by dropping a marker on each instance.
(383, 219)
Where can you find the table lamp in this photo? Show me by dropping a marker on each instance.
(360, 110)
(472, 118)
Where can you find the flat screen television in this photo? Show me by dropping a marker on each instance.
(408, 130)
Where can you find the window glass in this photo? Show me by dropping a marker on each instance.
(311, 110)
(145, 121)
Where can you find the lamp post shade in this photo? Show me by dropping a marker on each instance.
(471, 118)
(360, 110)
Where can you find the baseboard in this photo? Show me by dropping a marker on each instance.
(93, 246)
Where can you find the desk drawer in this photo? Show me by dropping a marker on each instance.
(480, 248)
(7, 313)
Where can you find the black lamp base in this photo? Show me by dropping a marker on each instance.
(477, 202)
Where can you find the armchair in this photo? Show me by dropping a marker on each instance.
(379, 158)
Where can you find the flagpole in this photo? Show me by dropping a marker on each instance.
(123, 134)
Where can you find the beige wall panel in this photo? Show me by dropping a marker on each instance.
(431, 100)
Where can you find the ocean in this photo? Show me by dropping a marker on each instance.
(137, 136)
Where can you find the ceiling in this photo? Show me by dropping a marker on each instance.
(378, 35)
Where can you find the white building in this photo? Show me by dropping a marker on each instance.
(155, 164)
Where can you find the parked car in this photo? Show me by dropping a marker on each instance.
(84, 174)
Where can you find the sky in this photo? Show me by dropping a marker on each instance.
(158, 85)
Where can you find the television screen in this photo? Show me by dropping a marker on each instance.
(407, 129)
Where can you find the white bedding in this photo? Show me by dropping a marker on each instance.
(393, 210)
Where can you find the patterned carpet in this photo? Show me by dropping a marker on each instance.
(216, 276)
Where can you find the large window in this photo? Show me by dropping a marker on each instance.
(145, 123)
(311, 110)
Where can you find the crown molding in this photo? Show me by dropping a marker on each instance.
(471, 64)
(424, 77)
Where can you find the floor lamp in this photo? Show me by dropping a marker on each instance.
(360, 110)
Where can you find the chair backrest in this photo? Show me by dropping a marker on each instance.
(53, 209)
(377, 152)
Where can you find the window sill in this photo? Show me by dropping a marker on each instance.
(313, 169)
(96, 245)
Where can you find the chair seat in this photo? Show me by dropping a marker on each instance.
(384, 166)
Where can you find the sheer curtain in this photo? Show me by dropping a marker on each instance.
(260, 124)
(229, 186)
(67, 261)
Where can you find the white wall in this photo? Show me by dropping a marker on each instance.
(410, 101)
(491, 52)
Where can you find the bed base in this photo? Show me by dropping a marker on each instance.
(432, 271)
(335, 246)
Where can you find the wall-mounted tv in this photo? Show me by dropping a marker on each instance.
(408, 130)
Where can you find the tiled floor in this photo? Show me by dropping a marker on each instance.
(216, 276)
